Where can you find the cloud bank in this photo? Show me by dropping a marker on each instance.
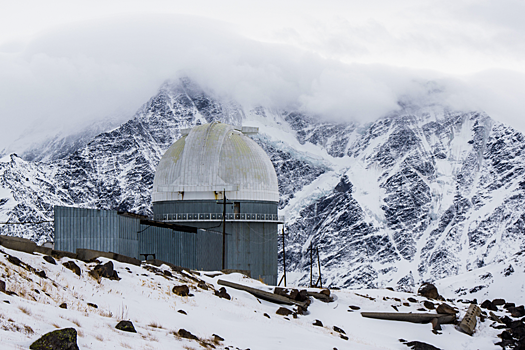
(72, 76)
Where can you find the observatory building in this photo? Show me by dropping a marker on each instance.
(215, 199)
(215, 175)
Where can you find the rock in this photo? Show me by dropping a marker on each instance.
(406, 304)
(167, 273)
(318, 323)
(63, 306)
(182, 290)
(339, 330)
(487, 304)
(417, 345)
(429, 305)
(507, 305)
(217, 338)
(412, 300)
(390, 288)
(41, 274)
(72, 266)
(2, 286)
(49, 259)
(293, 294)
(126, 326)
(498, 302)
(223, 294)
(436, 326)
(61, 339)
(445, 309)
(325, 292)
(302, 295)
(185, 334)
(342, 336)
(266, 315)
(428, 290)
(353, 307)
(182, 312)
(516, 311)
(95, 306)
(283, 311)
(202, 285)
(105, 270)
(14, 260)
(280, 291)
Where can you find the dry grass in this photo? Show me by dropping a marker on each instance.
(99, 337)
(155, 325)
(25, 310)
(124, 345)
(104, 313)
(80, 333)
(55, 325)
(28, 330)
(74, 321)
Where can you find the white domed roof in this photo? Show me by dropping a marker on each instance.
(212, 158)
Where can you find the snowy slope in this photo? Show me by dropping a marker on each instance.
(418, 195)
(143, 295)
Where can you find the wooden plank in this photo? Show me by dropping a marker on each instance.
(274, 298)
(410, 317)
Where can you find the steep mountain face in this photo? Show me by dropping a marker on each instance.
(418, 195)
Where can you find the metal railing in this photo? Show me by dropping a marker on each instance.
(182, 217)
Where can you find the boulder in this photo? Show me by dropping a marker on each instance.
(283, 311)
(516, 311)
(2, 286)
(126, 326)
(353, 307)
(428, 290)
(63, 306)
(498, 302)
(105, 270)
(182, 312)
(417, 345)
(487, 304)
(217, 338)
(318, 323)
(223, 294)
(182, 290)
(339, 330)
(72, 266)
(14, 260)
(445, 309)
(49, 259)
(412, 300)
(302, 295)
(61, 339)
(185, 334)
(429, 305)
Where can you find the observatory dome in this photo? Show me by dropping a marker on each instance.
(213, 158)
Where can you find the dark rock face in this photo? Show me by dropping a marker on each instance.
(61, 339)
(126, 326)
(72, 266)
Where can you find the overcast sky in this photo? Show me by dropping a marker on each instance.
(67, 64)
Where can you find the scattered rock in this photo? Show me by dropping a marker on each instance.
(49, 259)
(223, 294)
(487, 304)
(353, 307)
(498, 302)
(283, 311)
(182, 290)
(406, 304)
(2, 286)
(167, 273)
(95, 306)
(126, 326)
(217, 338)
(417, 345)
(343, 336)
(429, 305)
(428, 290)
(61, 339)
(202, 285)
(339, 330)
(105, 270)
(445, 309)
(185, 334)
(436, 326)
(318, 323)
(182, 312)
(394, 307)
(516, 311)
(14, 260)
(507, 305)
(421, 309)
(63, 306)
(41, 274)
(302, 296)
(390, 288)
(266, 315)
(72, 266)
(412, 300)
(325, 292)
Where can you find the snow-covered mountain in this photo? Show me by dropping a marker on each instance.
(418, 195)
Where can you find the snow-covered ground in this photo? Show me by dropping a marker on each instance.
(144, 296)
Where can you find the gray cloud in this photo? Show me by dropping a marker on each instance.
(77, 74)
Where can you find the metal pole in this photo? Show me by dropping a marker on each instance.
(311, 265)
(319, 264)
(284, 260)
(224, 231)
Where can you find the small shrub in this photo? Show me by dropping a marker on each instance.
(25, 310)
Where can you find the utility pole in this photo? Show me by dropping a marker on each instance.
(224, 230)
(319, 265)
(284, 264)
(311, 264)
